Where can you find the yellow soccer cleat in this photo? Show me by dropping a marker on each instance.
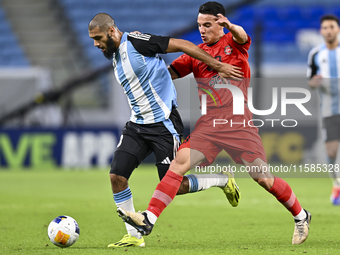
(231, 190)
(128, 241)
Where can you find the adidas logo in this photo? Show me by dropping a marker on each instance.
(166, 161)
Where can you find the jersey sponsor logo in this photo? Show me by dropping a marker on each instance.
(228, 50)
(144, 37)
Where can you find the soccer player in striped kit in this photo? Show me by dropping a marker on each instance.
(242, 143)
(155, 125)
(324, 73)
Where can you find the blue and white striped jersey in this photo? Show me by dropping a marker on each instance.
(144, 77)
(326, 62)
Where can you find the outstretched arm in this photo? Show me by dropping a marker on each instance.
(239, 35)
(227, 71)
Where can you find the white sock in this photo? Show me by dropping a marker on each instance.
(301, 216)
(151, 217)
(124, 200)
(336, 182)
(198, 182)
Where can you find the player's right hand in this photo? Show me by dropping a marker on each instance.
(315, 81)
(223, 21)
(231, 72)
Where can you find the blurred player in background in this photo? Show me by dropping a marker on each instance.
(155, 125)
(242, 142)
(324, 73)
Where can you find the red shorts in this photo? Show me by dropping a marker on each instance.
(238, 140)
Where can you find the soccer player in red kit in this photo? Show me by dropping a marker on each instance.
(241, 142)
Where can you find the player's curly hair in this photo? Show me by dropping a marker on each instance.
(212, 8)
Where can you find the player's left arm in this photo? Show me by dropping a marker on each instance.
(227, 70)
(239, 35)
(149, 45)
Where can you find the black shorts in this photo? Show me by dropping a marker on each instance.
(140, 140)
(332, 128)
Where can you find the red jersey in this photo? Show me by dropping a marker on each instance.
(225, 50)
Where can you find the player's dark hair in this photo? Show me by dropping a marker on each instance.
(212, 8)
(102, 20)
(330, 17)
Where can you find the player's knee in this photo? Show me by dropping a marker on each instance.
(180, 165)
(177, 162)
(116, 179)
(178, 169)
(266, 183)
(123, 164)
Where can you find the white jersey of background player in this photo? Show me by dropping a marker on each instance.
(324, 73)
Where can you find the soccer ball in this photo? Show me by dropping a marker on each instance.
(63, 231)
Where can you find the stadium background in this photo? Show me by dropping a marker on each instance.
(60, 106)
(59, 102)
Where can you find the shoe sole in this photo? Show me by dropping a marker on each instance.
(142, 245)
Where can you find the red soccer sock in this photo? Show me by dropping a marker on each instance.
(285, 195)
(165, 192)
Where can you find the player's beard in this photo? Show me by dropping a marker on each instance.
(110, 48)
(332, 39)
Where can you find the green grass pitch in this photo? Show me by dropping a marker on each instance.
(202, 223)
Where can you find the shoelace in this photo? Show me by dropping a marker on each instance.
(300, 227)
(126, 236)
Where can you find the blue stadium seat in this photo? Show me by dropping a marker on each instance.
(11, 53)
(247, 13)
(273, 25)
(267, 13)
(296, 24)
(280, 20)
(290, 13)
(312, 12)
(336, 10)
